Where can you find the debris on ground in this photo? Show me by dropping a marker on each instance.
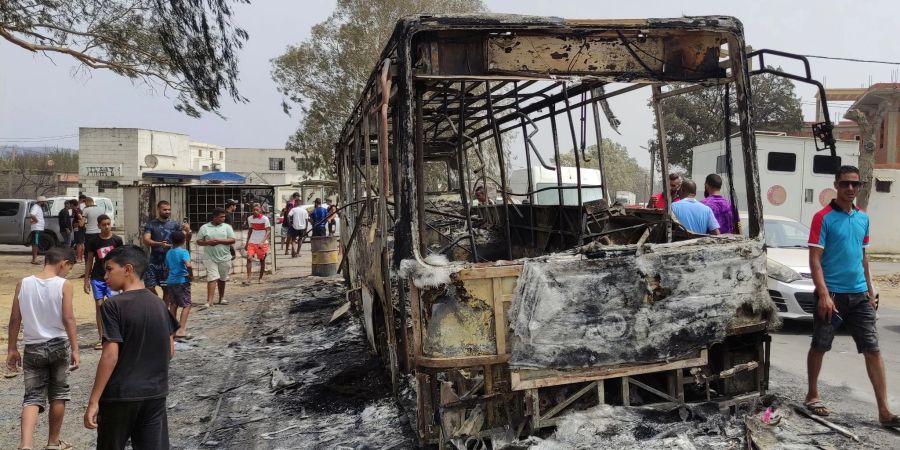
(293, 379)
(700, 426)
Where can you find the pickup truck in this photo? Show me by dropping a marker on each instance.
(15, 224)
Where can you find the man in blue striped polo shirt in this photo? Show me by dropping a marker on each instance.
(840, 270)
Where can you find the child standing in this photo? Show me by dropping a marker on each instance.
(178, 282)
(43, 305)
(132, 380)
(96, 249)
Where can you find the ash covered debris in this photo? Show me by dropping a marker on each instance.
(668, 302)
(292, 380)
(701, 426)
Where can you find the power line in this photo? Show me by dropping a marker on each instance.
(37, 139)
(871, 61)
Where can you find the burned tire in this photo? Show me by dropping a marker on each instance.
(383, 343)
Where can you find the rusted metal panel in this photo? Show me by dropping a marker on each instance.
(461, 321)
(691, 56)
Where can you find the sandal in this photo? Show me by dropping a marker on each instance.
(817, 407)
(222, 302)
(98, 346)
(62, 445)
(893, 423)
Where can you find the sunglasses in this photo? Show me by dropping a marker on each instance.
(853, 184)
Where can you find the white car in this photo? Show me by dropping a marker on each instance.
(56, 204)
(790, 279)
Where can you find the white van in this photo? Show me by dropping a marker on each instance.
(542, 178)
(794, 178)
(56, 204)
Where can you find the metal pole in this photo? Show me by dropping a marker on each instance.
(599, 131)
(498, 143)
(462, 167)
(729, 162)
(664, 160)
(574, 148)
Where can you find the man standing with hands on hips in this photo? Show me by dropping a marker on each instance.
(840, 270)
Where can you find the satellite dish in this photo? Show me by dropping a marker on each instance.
(150, 161)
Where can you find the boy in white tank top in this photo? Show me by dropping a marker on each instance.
(43, 306)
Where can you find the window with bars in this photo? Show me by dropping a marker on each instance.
(276, 163)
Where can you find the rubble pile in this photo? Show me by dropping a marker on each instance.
(689, 427)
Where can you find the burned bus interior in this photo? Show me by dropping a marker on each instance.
(497, 272)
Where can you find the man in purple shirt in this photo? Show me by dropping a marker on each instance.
(721, 207)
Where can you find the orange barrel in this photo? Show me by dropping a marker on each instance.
(325, 255)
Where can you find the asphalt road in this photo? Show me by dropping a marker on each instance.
(843, 366)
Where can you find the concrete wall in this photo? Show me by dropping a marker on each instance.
(883, 207)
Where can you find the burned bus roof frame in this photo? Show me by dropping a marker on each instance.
(728, 29)
(670, 33)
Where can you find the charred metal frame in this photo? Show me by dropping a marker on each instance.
(448, 89)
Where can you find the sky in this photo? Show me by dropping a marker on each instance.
(43, 98)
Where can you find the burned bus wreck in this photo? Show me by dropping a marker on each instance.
(506, 299)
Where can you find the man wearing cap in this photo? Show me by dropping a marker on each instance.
(37, 226)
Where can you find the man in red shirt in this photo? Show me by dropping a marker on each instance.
(658, 200)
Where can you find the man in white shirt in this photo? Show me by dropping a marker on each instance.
(299, 218)
(258, 231)
(91, 213)
(37, 226)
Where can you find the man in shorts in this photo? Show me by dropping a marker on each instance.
(840, 270)
(216, 237)
(290, 231)
(298, 222)
(36, 214)
(95, 253)
(257, 246)
(91, 213)
(43, 305)
(156, 236)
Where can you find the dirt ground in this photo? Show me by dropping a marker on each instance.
(15, 265)
(267, 371)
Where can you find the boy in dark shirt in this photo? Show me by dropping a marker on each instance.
(128, 400)
(96, 250)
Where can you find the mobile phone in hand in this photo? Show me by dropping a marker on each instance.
(836, 320)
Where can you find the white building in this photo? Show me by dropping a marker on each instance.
(109, 158)
(207, 157)
(274, 166)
